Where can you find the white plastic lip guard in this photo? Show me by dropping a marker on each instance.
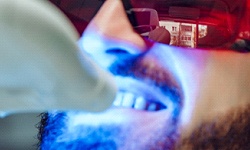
(41, 66)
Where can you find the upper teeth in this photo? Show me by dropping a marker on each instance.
(130, 100)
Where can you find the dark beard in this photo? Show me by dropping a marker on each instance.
(227, 131)
(92, 138)
(112, 137)
(57, 135)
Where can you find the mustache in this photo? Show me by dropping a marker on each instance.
(123, 66)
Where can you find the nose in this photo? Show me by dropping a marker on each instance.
(110, 30)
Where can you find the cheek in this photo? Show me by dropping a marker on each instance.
(185, 66)
(151, 135)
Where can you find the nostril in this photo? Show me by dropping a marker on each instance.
(117, 51)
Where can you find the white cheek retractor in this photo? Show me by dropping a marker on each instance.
(41, 66)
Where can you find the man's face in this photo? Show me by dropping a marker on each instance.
(169, 97)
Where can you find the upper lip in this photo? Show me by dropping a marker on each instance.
(145, 88)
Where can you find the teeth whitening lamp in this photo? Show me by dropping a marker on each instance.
(41, 66)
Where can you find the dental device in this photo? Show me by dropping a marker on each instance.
(41, 66)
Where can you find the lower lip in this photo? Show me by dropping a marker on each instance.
(123, 116)
(120, 116)
(137, 114)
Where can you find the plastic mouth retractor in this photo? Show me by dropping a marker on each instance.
(41, 66)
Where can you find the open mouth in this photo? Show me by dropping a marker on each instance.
(145, 85)
(138, 102)
(142, 95)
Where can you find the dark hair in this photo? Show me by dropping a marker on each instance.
(50, 127)
(230, 131)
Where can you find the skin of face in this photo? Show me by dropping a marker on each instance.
(207, 94)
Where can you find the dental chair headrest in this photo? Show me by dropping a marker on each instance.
(41, 66)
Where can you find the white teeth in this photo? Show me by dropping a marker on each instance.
(118, 99)
(128, 100)
(152, 107)
(140, 103)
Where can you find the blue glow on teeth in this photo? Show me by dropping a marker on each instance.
(129, 100)
(140, 103)
(152, 107)
(118, 100)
